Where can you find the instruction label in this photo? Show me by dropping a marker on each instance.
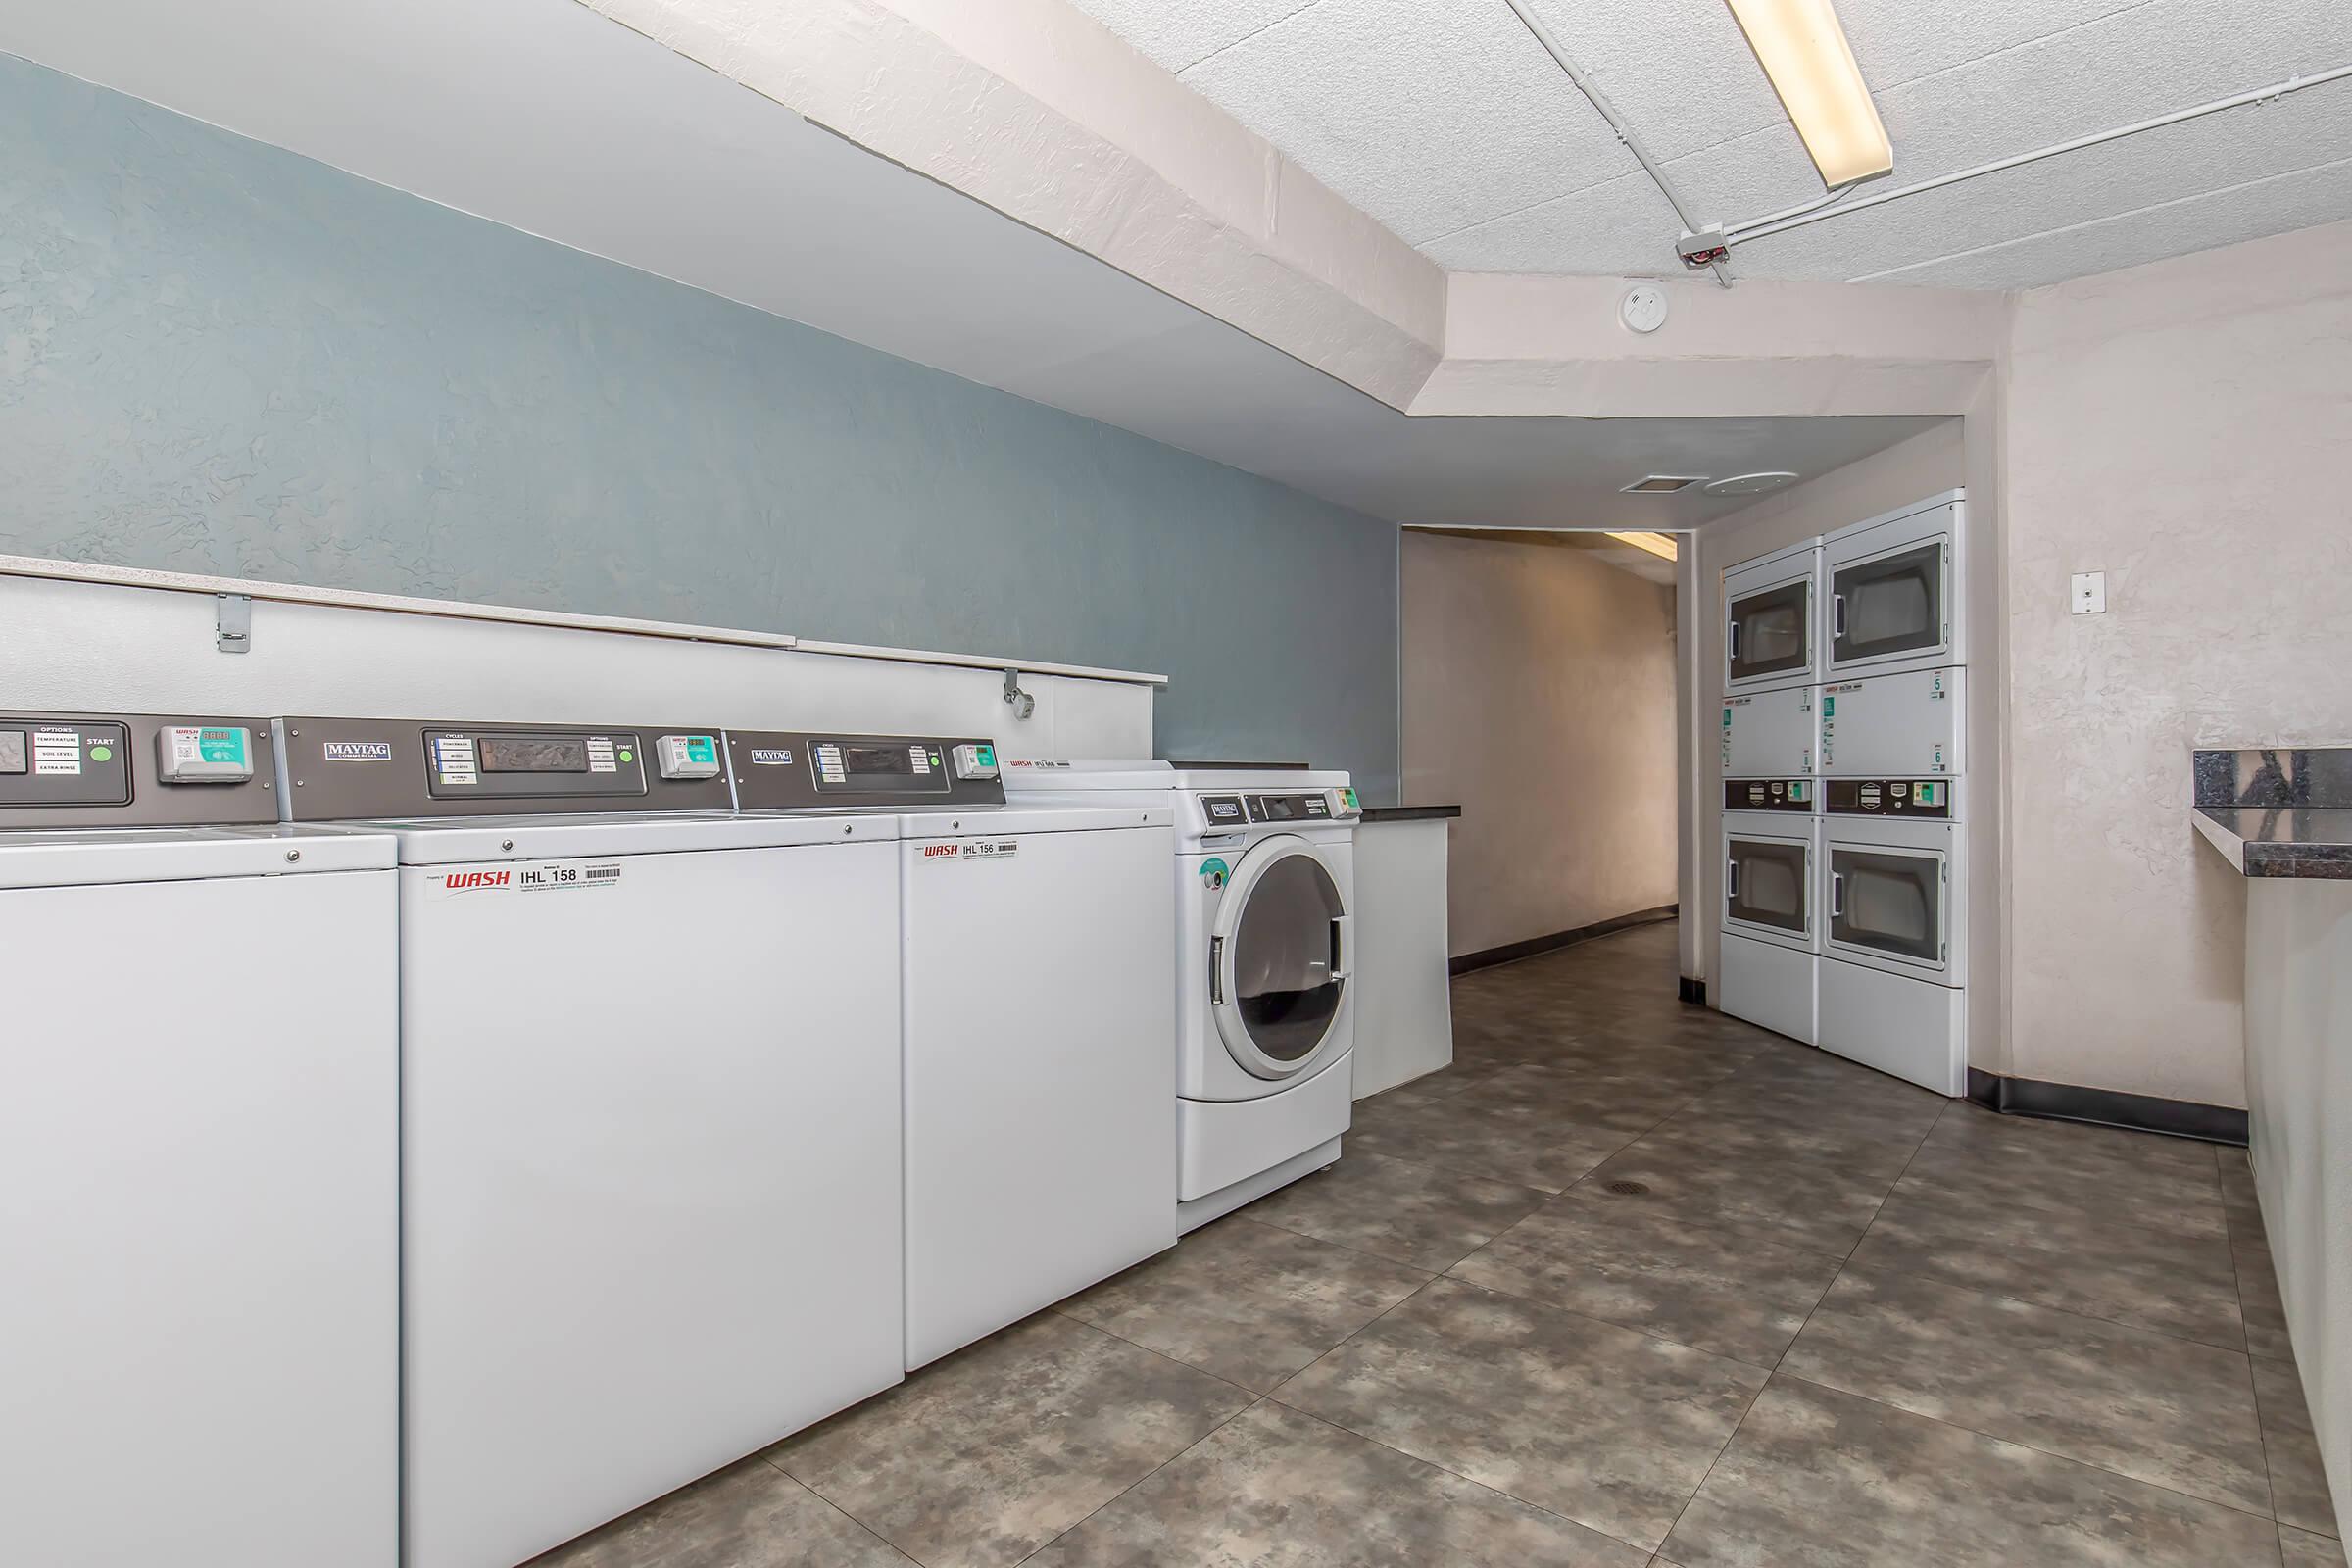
(57, 753)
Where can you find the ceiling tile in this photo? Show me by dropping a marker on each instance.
(1427, 114)
(2200, 222)
(1187, 33)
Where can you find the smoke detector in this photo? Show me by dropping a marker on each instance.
(1664, 484)
(1751, 484)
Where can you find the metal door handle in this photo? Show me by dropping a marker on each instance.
(1837, 617)
(1731, 880)
(1836, 894)
(1216, 969)
(1342, 944)
(1735, 642)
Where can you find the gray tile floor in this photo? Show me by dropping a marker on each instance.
(1629, 1284)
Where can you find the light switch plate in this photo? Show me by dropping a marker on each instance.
(2089, 593)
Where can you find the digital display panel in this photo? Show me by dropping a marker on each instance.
(871, 760)
(533, 754)
(12, 751)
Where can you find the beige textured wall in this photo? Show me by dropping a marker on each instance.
(1928, 463)
(2186, 428)
(1538, 691)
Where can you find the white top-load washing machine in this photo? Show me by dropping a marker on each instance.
(649, 1114)
(1039, 1002)
(1265, 908)
(1893, 886)
(1771, 927)
(199, 1157)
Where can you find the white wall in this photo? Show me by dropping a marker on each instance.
(1539, 693)
(80, 646)
(2186, 428)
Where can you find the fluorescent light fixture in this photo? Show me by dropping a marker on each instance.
(1657, 544)
(1803, 51)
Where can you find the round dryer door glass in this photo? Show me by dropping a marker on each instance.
(1286, 968)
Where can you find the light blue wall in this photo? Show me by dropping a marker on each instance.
(218, 357)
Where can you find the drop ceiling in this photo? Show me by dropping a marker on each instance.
(617, 145)
(1445, 120)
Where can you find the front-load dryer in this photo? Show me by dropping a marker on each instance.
(1264, 881)
(1894, 891)
(649, 1100)
(1039, 1000)
(1771, 928)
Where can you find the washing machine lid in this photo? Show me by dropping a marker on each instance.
(1280, 953)
(1028, 775)
(992, 822)
(89, 856)
(448, 841)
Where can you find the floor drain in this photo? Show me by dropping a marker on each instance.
(1628, 1189)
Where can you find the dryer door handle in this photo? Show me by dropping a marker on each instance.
(1342, 944)
(1216, 970)
(1836, 894)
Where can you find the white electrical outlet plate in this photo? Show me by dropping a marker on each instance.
(2089, 593)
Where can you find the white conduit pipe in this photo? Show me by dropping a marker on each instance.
(1782, 223)
(1608, 112)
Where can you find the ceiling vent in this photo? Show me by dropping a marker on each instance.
(1751, 484)
(1663, 484)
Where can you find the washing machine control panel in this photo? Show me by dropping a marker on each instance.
(134, 770)
(1770, 795)
(1928, 798)
(361, 768)
(1303, 805)
(781, 771)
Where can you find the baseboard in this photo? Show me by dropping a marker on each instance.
(2107, 1107)
(1533, 947)
(1695, 992)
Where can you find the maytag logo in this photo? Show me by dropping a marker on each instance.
(770, 756)
(359, 750)
(464, 881)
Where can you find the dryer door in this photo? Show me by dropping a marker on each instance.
(1279, 954)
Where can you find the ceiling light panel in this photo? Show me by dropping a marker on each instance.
(1663, 484)
(1657, 544)
(1802, 47)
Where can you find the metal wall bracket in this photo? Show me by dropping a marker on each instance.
(1023, 705)
(232, 622)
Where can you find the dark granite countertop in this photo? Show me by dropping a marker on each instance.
(1409, 813)
(2276, 811)
(2282, 841)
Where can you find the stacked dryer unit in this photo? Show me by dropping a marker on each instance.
(1845, 731)
(1770, 935)
(1893, 736)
